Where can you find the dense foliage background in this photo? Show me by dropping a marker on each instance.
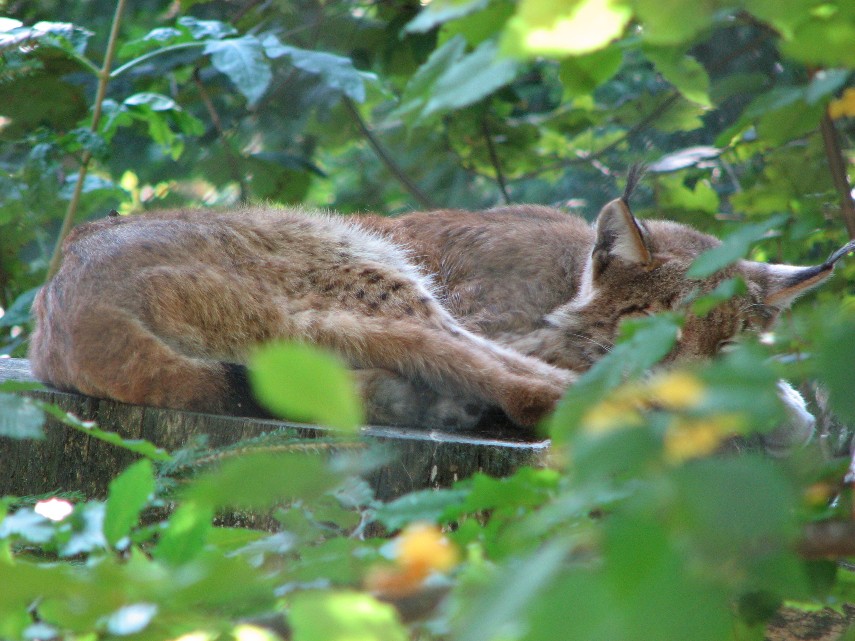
(745, 115)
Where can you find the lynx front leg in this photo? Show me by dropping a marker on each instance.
(447, 357)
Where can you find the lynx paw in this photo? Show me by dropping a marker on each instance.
(450, 413)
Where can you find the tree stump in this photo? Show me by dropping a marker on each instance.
(70, 460)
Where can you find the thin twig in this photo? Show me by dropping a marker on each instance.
(837, 167)
(384, 156)
(234, 169)
(103, 81)
(494, 159)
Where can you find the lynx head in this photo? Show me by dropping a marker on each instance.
(639, 268)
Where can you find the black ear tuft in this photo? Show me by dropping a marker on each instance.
(633, 177)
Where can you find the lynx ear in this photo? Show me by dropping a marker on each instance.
(619, 235)
(785, 283)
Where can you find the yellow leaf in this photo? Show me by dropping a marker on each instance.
(425, 546)
(689, 438)
(677, 390)
(420, 550)
(843, 106)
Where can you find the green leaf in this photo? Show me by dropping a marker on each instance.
(733, 504)
(675, 194)
(782, 113)
(242, 60)
(825, 36)
(336, 72)
(834, 365)
(185, 534)
(423, 505)
(128, 495)
(682, 71)
(526, 488)
(343, 616)
(206, 29)
(28, 525)
(470, 79)
(725, 290)
(496, 611)
(439, 11)
(582, 74)
(732, 248)
(260, 480)
(420, 86)
(480, 26)
(40, 100)
(155, 101)
(674, 22)
(304, 383)
(789, 122)
(646, 574)
(18, 312)
(20, 418)
(566, 27)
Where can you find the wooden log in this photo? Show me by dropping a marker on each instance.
(69, 460)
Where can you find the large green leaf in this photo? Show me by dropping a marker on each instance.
(682, 71)
(822, 34)
(473, 77)
(584, 73)
(336, 72)
(129, 493)
(243, 61)
(675, 194)
(302, 382)
(419, 88)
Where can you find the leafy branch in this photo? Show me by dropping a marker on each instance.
(103, 81)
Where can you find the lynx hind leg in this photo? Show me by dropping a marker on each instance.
(110, 354)
(388, 398)
(393, 400)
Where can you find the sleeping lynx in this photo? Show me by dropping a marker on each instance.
(441, 314)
